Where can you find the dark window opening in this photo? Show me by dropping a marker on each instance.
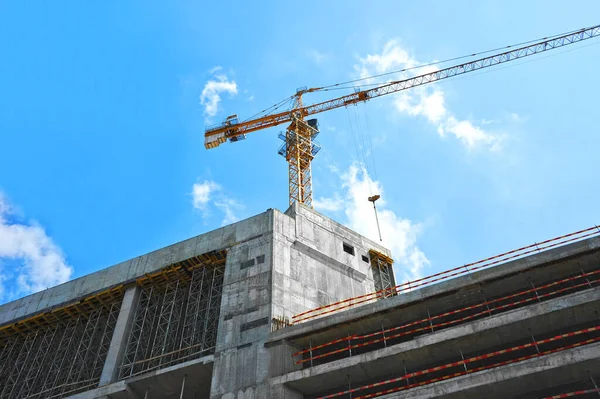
(365, 259)
(348, 248)
(246, 264)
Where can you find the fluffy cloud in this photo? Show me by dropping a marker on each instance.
(328, 204)
(211, 93)
(208, 193)
(36, 261)
(426, 101)
(398, 234)
(201, 193)
(392, 58)
(230, 209)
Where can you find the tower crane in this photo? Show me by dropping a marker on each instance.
(299, 147)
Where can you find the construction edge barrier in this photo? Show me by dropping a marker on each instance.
(466, 362)
(574, 393)
(437, 277)
(432, 326)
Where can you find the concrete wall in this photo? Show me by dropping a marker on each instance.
(130, 270)
(583, 254)
(245, 317)
(311, 268)
(295, 265)
(498, 330)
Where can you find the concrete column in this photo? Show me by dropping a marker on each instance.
(118, 342)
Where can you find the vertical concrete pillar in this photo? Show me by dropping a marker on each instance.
(118, 342)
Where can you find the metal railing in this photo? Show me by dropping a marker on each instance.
(447, 274)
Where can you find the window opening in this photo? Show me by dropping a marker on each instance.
(348, 248)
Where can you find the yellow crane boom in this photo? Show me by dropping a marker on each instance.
(299, 148)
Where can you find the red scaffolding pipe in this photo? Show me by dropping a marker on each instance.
(430, 325)
(574, 393)
(471, 360)
(316, 312)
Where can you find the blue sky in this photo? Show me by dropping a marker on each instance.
(102, 117)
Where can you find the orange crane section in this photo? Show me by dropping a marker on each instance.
(299, 148)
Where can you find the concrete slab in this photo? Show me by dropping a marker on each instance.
(164, 383)
(344, 317)
(512, 380)
(480, 336)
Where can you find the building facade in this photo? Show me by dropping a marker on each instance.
(295, 305)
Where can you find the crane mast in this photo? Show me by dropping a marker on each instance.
(299, 150)
(299, 147)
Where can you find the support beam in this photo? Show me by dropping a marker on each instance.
(119, 338)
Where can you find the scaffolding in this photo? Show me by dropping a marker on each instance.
(383, 275)
(357, 344)
(460, 366)
(58, 360)
(406, 286)
(62, 351)
(176, 320)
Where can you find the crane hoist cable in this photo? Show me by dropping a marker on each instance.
(299, 147)
(352, 133)
(371, 145)
(373, 199)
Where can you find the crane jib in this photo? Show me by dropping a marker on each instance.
(298, 146)
(216, 135)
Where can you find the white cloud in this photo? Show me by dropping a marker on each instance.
(211, 93)
(398, 234)
(429, 105)
(207, 193)
(427, 101)
(328, 204)
(468, 133)
(40, 262)
(201, 193)
(230, 208)
(317, 57)
(516, 118)
(392, 58)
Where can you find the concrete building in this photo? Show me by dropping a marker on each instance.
(282, 305)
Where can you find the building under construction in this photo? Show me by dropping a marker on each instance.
(295, 305)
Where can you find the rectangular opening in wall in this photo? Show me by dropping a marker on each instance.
(348, 248)
(247, 264)
(365, 258)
